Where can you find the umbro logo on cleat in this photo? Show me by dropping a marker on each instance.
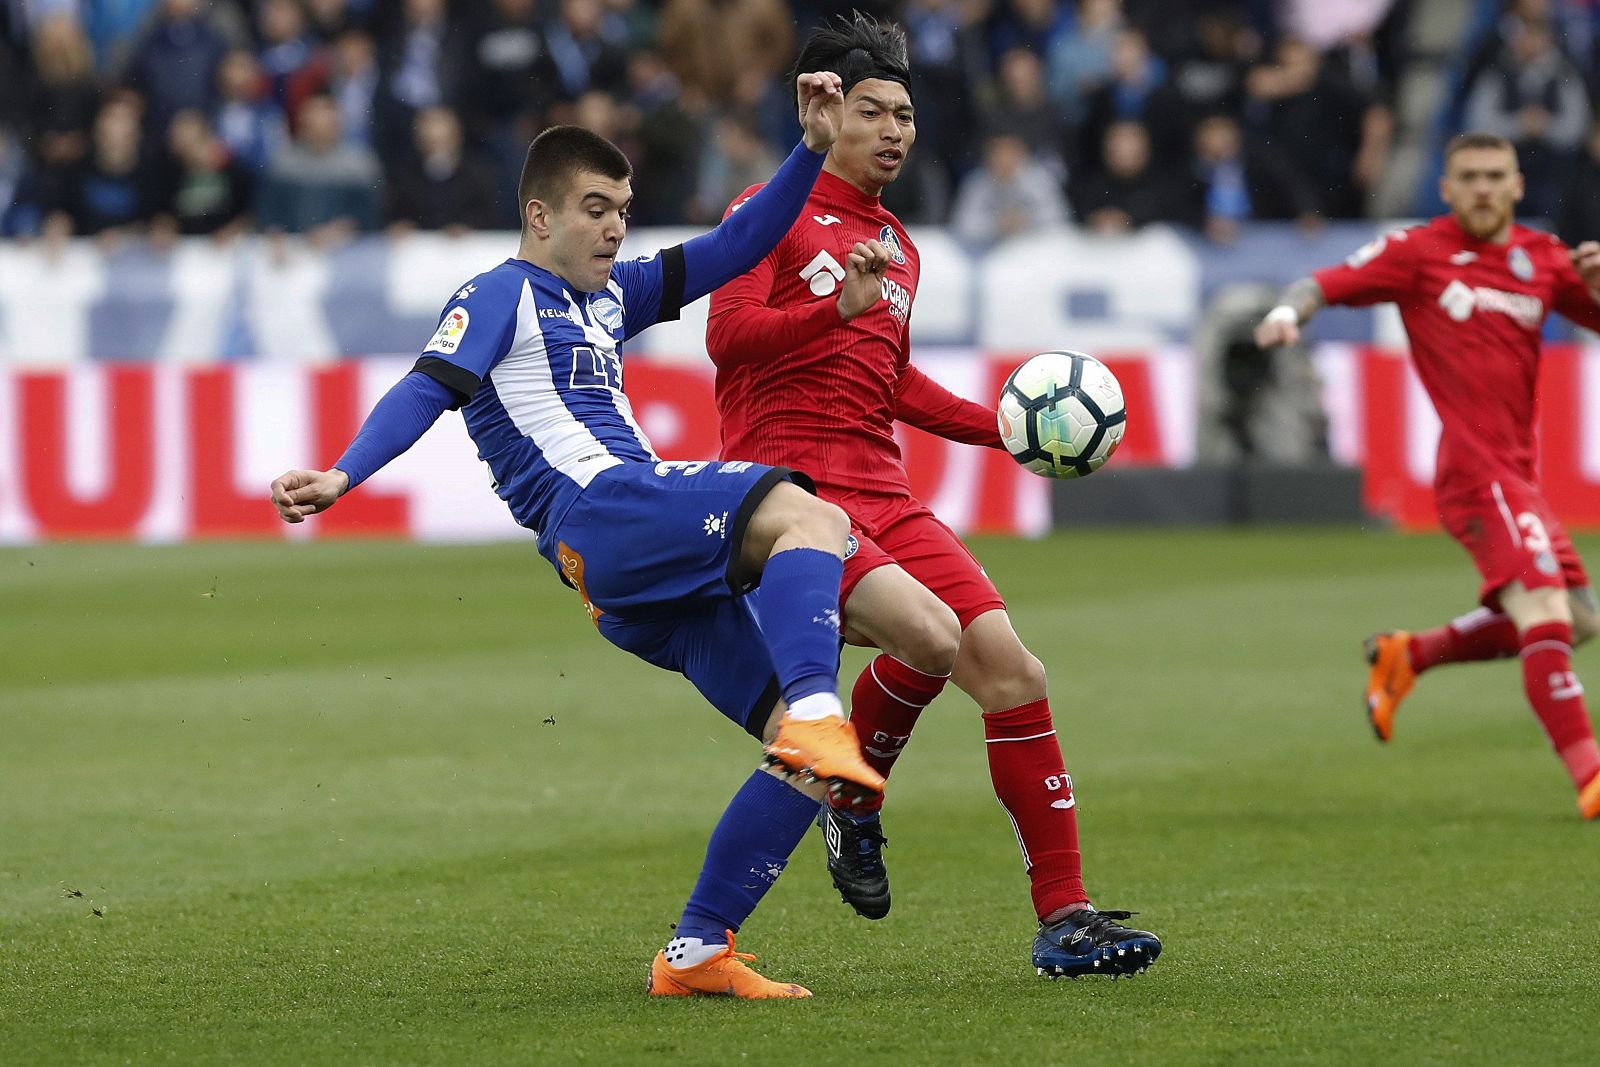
(830, 833)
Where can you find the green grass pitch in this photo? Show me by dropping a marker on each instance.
(386, 804)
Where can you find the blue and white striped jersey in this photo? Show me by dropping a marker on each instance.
(534, 361)
(536, 365)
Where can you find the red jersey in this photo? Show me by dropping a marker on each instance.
(1474, 312)
(800, 387)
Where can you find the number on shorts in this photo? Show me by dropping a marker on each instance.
(1534, 536)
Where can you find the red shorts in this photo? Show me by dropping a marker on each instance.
(900, 529)
(1512, 536)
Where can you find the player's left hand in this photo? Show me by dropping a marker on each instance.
(820, 97)
(1586, 260)
(864, 269)
(297, 494)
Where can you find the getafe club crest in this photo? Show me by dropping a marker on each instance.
(1521, 264)
(891, 241)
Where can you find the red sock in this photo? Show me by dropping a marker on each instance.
(1557, 697)
(1477, 635)
(884, 706)
(1036, 791)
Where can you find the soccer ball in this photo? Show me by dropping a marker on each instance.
(1062, 415)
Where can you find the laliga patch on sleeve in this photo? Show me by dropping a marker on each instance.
(447, 338)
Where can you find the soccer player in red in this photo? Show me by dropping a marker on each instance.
(1473, 289)
(812, 356)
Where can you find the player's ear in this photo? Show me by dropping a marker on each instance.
(1519, 186)
(536, 217)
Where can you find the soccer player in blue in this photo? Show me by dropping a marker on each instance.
(662, 555)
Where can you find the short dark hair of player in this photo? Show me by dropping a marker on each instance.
(1463, 141)
(856, 48)
(558, 156)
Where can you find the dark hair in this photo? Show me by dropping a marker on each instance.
(1463, 141)
(556, 158)
(856, 48)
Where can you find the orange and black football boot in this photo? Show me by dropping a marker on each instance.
(825, 750)
(1390, 679)
(1589, 799)
(723, 975)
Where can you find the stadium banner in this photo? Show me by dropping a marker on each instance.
(164, 452)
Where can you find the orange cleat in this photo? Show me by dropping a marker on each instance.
(1390, 680)
(1589, 799)
(824, 749)
(723, 975)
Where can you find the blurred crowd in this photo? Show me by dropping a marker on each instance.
(332, 117)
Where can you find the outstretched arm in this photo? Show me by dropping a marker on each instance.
(1383, 269)
(744, 238)
(924, 403)
(398, 420)
(1281, 326)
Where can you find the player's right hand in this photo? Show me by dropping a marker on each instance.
(297, 494)
(1586, 261)
(864, 269)
(1271, 332)
(820, 97)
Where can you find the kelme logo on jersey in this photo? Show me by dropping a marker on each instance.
(1521, 263)
(447, 338)
(891, 240)
(606, 311)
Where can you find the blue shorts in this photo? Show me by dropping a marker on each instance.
(653, 550)
(648, 540)
(718, 647)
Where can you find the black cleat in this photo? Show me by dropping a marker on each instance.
(855, 859)
(1092, 942)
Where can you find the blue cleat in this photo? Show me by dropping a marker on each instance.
(1092, 942)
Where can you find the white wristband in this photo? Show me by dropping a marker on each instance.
(1283, 313)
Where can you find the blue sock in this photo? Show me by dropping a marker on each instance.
(800, 618)
(752, 843)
